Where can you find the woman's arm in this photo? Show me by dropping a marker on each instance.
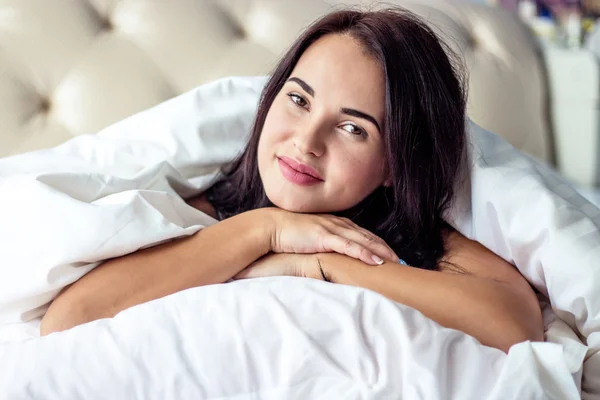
(213, 255)
(222, 250)
(490, 301)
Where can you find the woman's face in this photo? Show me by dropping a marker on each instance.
(321, 148)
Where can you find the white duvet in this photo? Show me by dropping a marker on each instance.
(99, 196)
(277, 338)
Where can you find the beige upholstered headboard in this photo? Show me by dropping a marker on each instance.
(69, 67)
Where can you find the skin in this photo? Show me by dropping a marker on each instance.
(306, 122)
(488, 299)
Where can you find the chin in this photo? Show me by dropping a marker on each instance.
(294, 201)
(308, 200)
(307, 205)
(287, 202)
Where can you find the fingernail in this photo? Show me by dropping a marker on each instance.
(377, 260)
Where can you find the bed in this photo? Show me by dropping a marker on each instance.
(111, 179)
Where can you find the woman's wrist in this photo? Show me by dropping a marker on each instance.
(263, 227)
(335, 267)
(269, 219)
(339, 268)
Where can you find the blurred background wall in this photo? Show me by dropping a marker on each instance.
(568, 32)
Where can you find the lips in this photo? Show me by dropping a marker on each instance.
(300, 174)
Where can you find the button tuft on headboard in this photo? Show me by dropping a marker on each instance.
(45, 105)
(107, 25)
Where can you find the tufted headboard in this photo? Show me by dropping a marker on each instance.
(69, 67)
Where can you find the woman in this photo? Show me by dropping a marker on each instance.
(353, 159)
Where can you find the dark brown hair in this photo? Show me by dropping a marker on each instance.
(423, 129)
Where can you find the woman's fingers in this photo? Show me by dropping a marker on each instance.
(306, 234)
(342, 245)
(369, 241)
(365, 238)
(370, 237)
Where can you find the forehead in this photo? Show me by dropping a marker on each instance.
(340, 71)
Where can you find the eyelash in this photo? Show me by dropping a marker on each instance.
(293, 96)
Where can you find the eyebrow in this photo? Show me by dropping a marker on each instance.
(360, 114)
(348, 111)
(303, 85)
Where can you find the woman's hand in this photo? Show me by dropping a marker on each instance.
(321, 233)
(284, 264)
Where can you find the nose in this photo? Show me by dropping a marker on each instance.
(309, 138)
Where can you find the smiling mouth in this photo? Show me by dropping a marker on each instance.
(296, 173)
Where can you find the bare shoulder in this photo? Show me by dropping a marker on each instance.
(201, 203)
(473, 258)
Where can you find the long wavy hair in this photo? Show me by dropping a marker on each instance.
(423, 129)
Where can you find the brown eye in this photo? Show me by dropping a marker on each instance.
(298, 100)
(354, 130)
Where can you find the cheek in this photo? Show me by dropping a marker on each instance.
(357, 175)
(275, 129)
(273, 133)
